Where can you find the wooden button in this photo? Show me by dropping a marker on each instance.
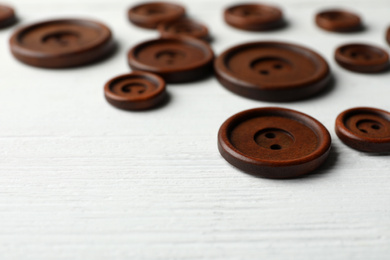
(274, 142)
(135, 91)
(184, 27)
(336, 20)
(365, 129)
(254, 17)
(62, 43)
(174, 59)
(149, 15)
(362, 58)
(272, 71)
(7, 16)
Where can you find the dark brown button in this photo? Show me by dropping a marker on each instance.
(272, 71)
(274, 142)
(362, 58)
(365, 129)
(184, 27)
(7, 16)
(254, 17)
(135, 91)
(338, 21)
(388, 36)
(149, 15)
(174, 59)
(62, 43)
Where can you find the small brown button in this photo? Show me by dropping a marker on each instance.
(7, 16)
(254, 17)
(174, 59)
(62, 43)
(135, 91)
(336, 20)
(388, 36)
(365, 129)
(185, 27)
(272, 71)
(149, 15)
(362, 58)
(274, 142)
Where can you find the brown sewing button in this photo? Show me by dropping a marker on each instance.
(365, 129)
(254, 17)
(149, 15)
(274, 142)
(184, 27)
(362, 58)
(62, 43)
(135, 91)
(7, 16)
(336, 20)
(272, 71)
(174, 59)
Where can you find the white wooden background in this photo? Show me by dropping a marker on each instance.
(81, 180)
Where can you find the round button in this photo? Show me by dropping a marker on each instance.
(149, 15)
(7, 16)
(174, 59)
(362, 58)
(274, 142)
(184, 27)
(135, 91)
(338, 21)
(62, 43)
(272, 71)
(254, 17)
(365, 129)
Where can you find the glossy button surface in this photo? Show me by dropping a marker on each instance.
(362, 58)
(254, 17)
(174, 59)
(62, 43)
(184, 27)
(135, 91)
(149, 15)
(274, 142)
(7, 16)
(272, 71)
(338, 21)
(365, 129)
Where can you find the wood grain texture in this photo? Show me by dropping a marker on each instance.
(80, 179)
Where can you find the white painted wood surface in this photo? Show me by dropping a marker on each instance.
(80, 179)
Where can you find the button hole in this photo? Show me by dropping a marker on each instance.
(278, 66)
(275, 147)
(264, 72)
(376, 127)
(354, 54)
(362, 130)
(126, 89)
(270, 135)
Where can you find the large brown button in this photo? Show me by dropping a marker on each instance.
(174, 59)
(272, 71)
(274, 142)
(149, 15)
(365, 129)
(336, 20)
(62, 43)
(362, 58)
(254, 17)
(135, 91)
(184, 27)
(7, 16)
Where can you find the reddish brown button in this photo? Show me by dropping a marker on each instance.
(174, 59)
(274, 142)
(365, 129)
(272, 71)
(336, 20)
(149, 15)
(135, 91)
(254, 17)
(362, 58)
(62, 43)
(7, 16)
(184, 27)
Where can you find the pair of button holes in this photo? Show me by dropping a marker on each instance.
(274, 146)
(266, 72)
(127, 88)
(355, 55)
(374, 126)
